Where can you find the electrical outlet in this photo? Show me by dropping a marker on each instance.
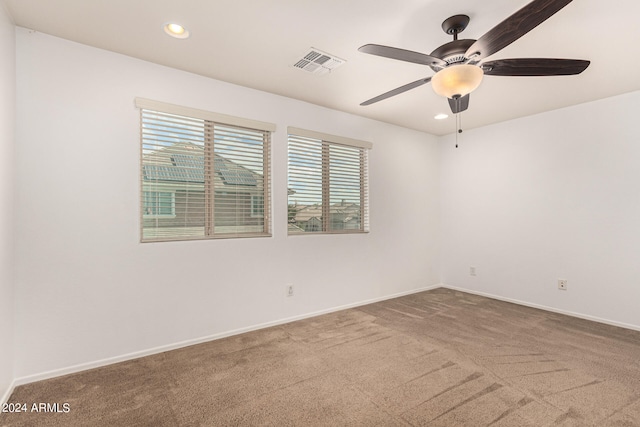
(562, 284)
(472, 271)
(289, 290)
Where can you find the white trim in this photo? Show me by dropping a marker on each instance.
(546, 308)
(135, 355)
(329, 138)
(7, 394)
(149, 104)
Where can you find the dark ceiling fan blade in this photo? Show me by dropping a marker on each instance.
(535, 67)
(402, 55)
(458, 105)
(397, 91)
(514, 27)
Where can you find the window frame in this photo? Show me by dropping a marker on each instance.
(212, 122)
(325, 143)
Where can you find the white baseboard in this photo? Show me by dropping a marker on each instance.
(7, 394)
(135, 355)
(546, 308)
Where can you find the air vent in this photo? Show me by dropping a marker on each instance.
(318, 62)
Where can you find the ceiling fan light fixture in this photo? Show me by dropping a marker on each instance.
(457, 80)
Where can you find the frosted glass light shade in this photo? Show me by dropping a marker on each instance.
(457, 80)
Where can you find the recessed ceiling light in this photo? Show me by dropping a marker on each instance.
(441, 116)
(176, 30)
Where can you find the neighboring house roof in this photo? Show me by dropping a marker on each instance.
(294, 228)
(307, 212)
(184, 162)
(345, 208)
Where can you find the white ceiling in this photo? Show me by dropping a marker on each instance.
(255, 43)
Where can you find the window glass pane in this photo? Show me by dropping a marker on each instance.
(345, 187)
(305, 185)
(173, 172)
(238, 178)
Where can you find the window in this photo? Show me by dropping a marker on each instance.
(327, 184)
(257, 206)
(158, 203)
(203, 175)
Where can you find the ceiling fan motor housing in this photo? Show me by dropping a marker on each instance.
(452, 52)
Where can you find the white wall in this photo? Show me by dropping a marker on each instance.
(7, 139)
(87, 290)
(556, 195)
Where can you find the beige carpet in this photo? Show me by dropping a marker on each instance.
(437, 358)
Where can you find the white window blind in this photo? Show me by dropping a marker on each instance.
(201, 179)
(327, 184)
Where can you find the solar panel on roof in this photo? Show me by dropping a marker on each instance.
(238, 177)
(233, 174)
(189, 168)
(188, 161)
(172, 173)
(218, 164)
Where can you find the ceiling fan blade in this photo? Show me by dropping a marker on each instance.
(397, 91)
(514, 27)
(458, 105)
(535, 67)
(402, 55)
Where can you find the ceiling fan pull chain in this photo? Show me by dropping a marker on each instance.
(456, 130)
(458, 127)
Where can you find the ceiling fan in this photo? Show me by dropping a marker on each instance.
(458, 64)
